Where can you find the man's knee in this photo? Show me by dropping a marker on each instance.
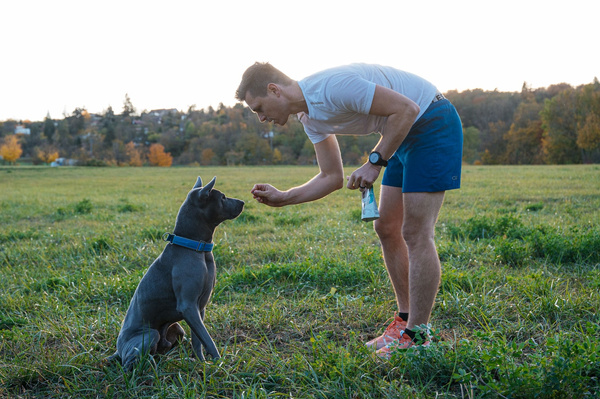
(387, 230)
(417, 235)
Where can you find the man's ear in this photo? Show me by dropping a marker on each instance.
(273, 88)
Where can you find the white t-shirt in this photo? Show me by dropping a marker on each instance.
(339, 99)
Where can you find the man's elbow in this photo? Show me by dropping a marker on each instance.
(413, 110)
(339, 183)
(337, 180)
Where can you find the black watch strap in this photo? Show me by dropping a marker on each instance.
(376, 159)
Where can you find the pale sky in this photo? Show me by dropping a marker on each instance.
(57, 55)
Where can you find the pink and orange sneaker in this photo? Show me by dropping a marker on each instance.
(392, 333)
(404, 342)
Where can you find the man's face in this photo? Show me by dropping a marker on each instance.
(271, 108)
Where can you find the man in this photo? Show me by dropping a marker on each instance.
(420, 147)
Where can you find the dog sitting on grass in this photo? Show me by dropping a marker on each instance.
(178, 284)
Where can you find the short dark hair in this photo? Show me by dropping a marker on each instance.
(257, 77)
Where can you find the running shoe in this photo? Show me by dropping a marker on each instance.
(392, 333)
(403, 343)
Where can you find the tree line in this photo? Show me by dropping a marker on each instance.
(559, 124)
(554, 125)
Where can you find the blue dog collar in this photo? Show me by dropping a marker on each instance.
(199, 246)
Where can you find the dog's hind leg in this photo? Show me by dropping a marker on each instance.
(137, 346)
(170, 336)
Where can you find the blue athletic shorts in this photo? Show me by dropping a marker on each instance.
(430, 157)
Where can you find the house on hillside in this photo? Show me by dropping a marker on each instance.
(20, 129)
(158, 114)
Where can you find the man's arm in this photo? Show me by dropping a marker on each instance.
(401, 113)
(329, 179)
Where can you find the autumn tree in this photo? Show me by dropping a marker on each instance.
(277, 157)
(588, 135)
(207, 156)
(135, 157)
(46, 154)
(524, 138)
(256, 149)
(588, 122)
(158, 157)
(11, 149)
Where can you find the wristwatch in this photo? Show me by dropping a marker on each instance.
(376, 159)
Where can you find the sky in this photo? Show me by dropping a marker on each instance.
(59, 55)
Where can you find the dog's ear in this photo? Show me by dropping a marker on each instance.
(198, 183)
(205, 192)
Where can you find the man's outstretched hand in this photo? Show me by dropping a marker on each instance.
(268, 195)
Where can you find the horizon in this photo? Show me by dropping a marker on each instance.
(189, 53)
(118, 111)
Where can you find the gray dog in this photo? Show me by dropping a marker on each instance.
(178, 284)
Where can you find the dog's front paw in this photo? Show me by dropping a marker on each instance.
(199, 356)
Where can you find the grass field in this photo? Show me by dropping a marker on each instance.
(300, 289)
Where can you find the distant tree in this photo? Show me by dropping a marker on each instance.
(119, 153)
(491, 112)
(77, 120)
(173, 141)
(8, 127)
(46, 154)
(36, 138)
(471, 141)
(109, 126)
(588, 137)
(158, 157)
(128, 108)
(560, 129)
(62, 134)
(364, 157)
(206, 156)
(49, 127)
(190, 130)
(135, 157)
(256, 149)
(277, 157)
(233, 158)
(588, 122)
(290, 138)
(527, 93)
(11, 149)
(307, 155)
(543, 94)
(494, 144)
(481, 108)
(524, 138)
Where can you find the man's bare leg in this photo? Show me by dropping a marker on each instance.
(421, 211)
(393, 246)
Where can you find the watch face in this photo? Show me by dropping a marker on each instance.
(373, 157)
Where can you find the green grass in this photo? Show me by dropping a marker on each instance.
(300, 289)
